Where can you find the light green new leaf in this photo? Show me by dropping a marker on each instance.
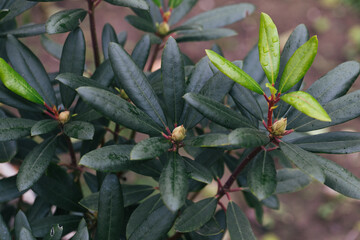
(17, 84)
(269, 48)
(305, 103)
(174, 3)
(234, 72)
(157, 3)
(65, 21)
(298, 64)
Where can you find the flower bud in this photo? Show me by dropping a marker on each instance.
(64, 117)
(178, 134)
(163, 28)
(279, 127)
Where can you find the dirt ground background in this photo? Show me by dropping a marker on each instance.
(315, 212)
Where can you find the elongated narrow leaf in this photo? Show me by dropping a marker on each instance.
(217, 112)
(118, 110)
(151, 220)
(209, 140)
(244, 97)
(248, 137)
(339, 179)
(75, 81)
(39, 209)
(79, 130)
(140, 23)
(82, 232)
(135, 83)
(72, 61)
(198, 172)
(91, 202)
(8, 189)
(234, 72)
(35, 164)
(42, 226)
(17, 84)
(298, 64)
(174, 3)
(291, 180)
(108, 35)
(4, 231)
(26, 234)
(15, 8)
(173, 79)
(333, 143)
(140, 4)
(134, 193)
(65, 21)
(8, 150)
(111, 209)
(196, 215)
(29, 66)
(205, 35)
(15, 128)
(26, 30)
(110, 158)
(304, 160)
(222, 16)
(307, 104)
(150, 148)
(237, 223)
(269, 47)
(173, 182)
(3, 13)
(141, 51)
(20, 223)
(55, 233)
(261, 176)
(104, 74)
(183, 9)
(44, 126)
(51, 46)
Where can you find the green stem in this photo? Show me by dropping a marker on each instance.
(95, 45)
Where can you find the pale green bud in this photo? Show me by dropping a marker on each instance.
(279, 127)
(178, 134)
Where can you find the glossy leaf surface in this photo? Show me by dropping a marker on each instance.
(198, 172)
(26, 30)
(291, 180)
(15, 128)
(108, 35)
(205, 35)
(75, 81)
(237, 223)
(248, 137)
(65, 21)
(79, 130)
(44, 126)
(150, 148)
(234, 72)
(269, 48)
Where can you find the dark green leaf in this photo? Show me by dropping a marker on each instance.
(173, 182)
(111, 209)
(298, 64)
(108, 35)
(183, 28)
(304, 160)
(44, 126)
(54, 233)
(340, 110)
(135, 83)
(4, 231)
(91, 202)
(75, 81)
(118, 110)
(248, 137)
(8, 150)
(17, 84)
(52, 47)
(135, 193)
(261, 176)
(150, 148)
(65, 21)
(307, 104)
(72, 61)
(8, 189)
(291, 180)
(209, 140)
(141, 51)
(197, 171)
(243, 97)
(114, 158)
(151, 168)
(79, 130)
(35, 164)
(39, 209)
(271, 202)
(178, 13)
(122, 37)
(338, 178)
(140, 23)
(173, 78)
(104, 74)
(20, 223)
(26, 30)
(140, 4)
(30, 67)
(42, 226)
(82, 232)
(196, 215)
(212, 228)
(237, 223)
(151, 220)
(205, 35)
(3, 13)
(332, 142)
(216, 111)
(174, 3)
(26, 234)
(222, 16)
(14, 128)
(269, 47)
(234, 72)
(15, 7)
